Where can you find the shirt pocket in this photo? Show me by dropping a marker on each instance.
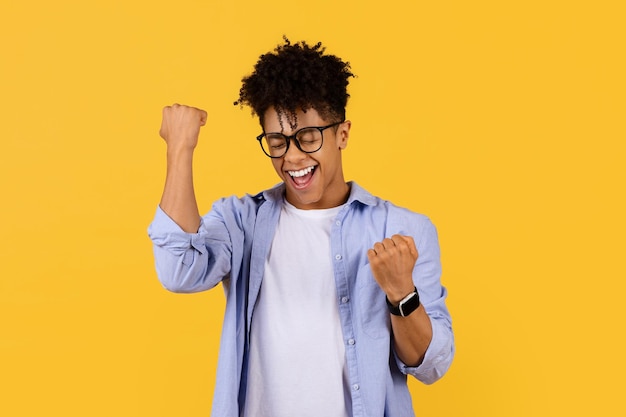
(374, 315)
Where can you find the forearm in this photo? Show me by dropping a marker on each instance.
(179, 199)
(412, 336)
(180, 129)
(392, 262)
(423, 342)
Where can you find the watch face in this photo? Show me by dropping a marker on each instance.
(409, 304)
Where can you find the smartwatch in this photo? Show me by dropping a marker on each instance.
(409, 304)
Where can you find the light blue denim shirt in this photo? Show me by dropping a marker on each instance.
(231, 246)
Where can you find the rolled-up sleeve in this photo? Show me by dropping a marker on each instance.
(190, 262)
(439, 354)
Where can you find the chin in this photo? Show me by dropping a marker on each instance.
(304, 199)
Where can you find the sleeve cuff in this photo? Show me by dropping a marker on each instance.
(437, 359)
(165, 233)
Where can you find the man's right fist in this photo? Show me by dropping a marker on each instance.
(181, 125)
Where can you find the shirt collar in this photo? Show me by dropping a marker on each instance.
(357, 193)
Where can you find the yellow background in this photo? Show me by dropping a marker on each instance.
(503, 121)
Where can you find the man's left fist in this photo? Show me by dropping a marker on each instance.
(392, 262)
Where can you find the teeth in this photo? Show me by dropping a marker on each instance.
(301, 173)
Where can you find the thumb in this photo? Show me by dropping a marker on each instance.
(411, 244)
(203, 117)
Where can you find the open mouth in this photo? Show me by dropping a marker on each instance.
(302, 177)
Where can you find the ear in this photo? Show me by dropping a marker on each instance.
(343, 134)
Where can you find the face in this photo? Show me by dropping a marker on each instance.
(313, 180)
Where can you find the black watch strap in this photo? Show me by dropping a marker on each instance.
(409, 304)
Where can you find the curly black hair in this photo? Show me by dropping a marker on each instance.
(297, 76)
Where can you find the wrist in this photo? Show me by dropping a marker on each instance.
(179, 150)
(408, 304)
(394, 296)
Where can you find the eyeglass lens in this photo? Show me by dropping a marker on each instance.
(309, 139)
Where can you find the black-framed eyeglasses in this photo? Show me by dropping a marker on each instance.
(308, 140)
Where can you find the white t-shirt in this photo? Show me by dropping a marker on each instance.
(297, 354)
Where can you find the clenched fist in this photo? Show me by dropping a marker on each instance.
(392, 262)
(181, 125)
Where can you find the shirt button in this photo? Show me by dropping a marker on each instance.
(355, 387)
(338, 222)
(338, 257)
(351, 341)
(344, 299)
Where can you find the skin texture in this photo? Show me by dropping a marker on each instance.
(327, 187)
(180, 129)
(391, 260)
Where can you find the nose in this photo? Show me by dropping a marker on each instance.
(294, 154)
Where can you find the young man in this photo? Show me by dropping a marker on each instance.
(333, 295)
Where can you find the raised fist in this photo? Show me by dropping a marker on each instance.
(392, 262)
(181, 125)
